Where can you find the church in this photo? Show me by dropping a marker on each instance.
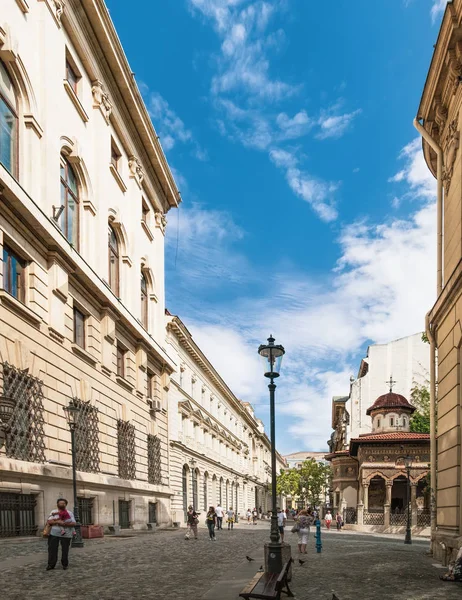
(376, 474)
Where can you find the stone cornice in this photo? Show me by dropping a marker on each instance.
(88, 24)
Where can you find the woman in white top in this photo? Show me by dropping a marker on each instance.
(304, 521)
(328, 519)
(248, 514)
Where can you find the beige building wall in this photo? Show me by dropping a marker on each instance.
(441, 115)
(216, 442)
(99, 127)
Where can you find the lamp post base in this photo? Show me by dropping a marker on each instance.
(77, 541)
(276, 555)
(408, 539)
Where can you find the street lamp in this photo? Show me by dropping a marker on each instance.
(408, 464)
(272, 358)
(72, 412)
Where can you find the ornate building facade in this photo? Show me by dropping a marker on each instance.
(84, 187)
(370, 483)
(439, 121)
(219, 452)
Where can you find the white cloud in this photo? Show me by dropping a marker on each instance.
(437, 9)
(420, 183)
(379, 289)
(294, 127)
(334, 126)
(319, 194)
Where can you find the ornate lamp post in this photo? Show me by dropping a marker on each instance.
(408, 464)
(72, 412)
(272, 358)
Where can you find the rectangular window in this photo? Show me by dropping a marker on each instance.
(8, 137)
(154, 460)
(392, 422)
(85, 511)
(13, 274)
(126, 449)
(71, 76)
(150, 391)
(115, 156)
(79, 328)
(121, 353)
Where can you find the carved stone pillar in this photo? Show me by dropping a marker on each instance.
(387, 505)
(366, 496)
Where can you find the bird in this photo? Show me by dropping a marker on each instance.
(249, 559)
(334, 597)
(261, 568)
(302, 562)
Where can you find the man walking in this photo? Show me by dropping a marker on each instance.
(62, 523)
(219, 512)
(281, 522)
(328, 519)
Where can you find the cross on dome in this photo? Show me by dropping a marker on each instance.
(391, 383)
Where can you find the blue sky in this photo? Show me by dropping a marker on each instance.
(307, 209)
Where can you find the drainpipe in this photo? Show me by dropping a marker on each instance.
(430, 334)
(431, 339)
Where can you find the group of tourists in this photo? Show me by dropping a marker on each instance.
(213, 520)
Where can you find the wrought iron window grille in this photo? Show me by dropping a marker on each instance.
(25, 439)
(126, 449)
(154, 460)
(86, 437)
(17, 515)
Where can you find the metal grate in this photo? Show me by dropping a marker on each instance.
(349, 515)
(399, 519)
(375, 518)
(17, 515)
(86, 511)
(86, 437)
(154, 460)
(126, 449)
(423, 517)
(25, 439)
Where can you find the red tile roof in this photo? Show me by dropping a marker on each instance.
(392, 436)
(390, 400)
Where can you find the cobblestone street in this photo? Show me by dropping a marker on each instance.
(165, 566)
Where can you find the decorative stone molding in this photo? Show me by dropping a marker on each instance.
(450, 152)
(23, 5)
(161, 221)
(8, 45)
(59, 8)
(101, 99)
(56, 8)
(441, 113)
(136, 170)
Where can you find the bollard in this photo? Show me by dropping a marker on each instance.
(318, 536)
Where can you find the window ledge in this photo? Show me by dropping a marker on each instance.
(82, 353)
(118, 178)
(76, 102)
(147, 231)
(124, 383)
(19, 308)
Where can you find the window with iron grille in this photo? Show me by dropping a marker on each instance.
(25, 439)
(86, 437)
(86, 511)
(126, 449)
(154, 460)
(17, 514)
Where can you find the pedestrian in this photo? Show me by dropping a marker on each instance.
(305, 520)
(219, 512)
(211, 520)
(260, 513)
(281, 522)
(328, 519)
(193, 520)
(254, 516)
(339, 521)
(60, 530)
(248, 514)
(230, 518)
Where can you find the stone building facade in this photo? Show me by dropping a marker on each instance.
(370, 484)
(439, 120)
(219, 452)
(84, 189)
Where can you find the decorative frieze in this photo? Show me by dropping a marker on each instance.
(161, 221)
(136, 170)
(101, 99)
(450, 152)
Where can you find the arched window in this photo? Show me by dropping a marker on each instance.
(69, 217)
(113, 259)
(8, 123)
(144, 300)
(185, 491)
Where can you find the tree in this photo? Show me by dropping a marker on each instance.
(420, 420)
(288, 483)
(314, 480)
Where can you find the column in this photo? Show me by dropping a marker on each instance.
(366, 496)
(413, 504)
(360, 506)
(387, 505)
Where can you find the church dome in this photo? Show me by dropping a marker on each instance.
(391, 401)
